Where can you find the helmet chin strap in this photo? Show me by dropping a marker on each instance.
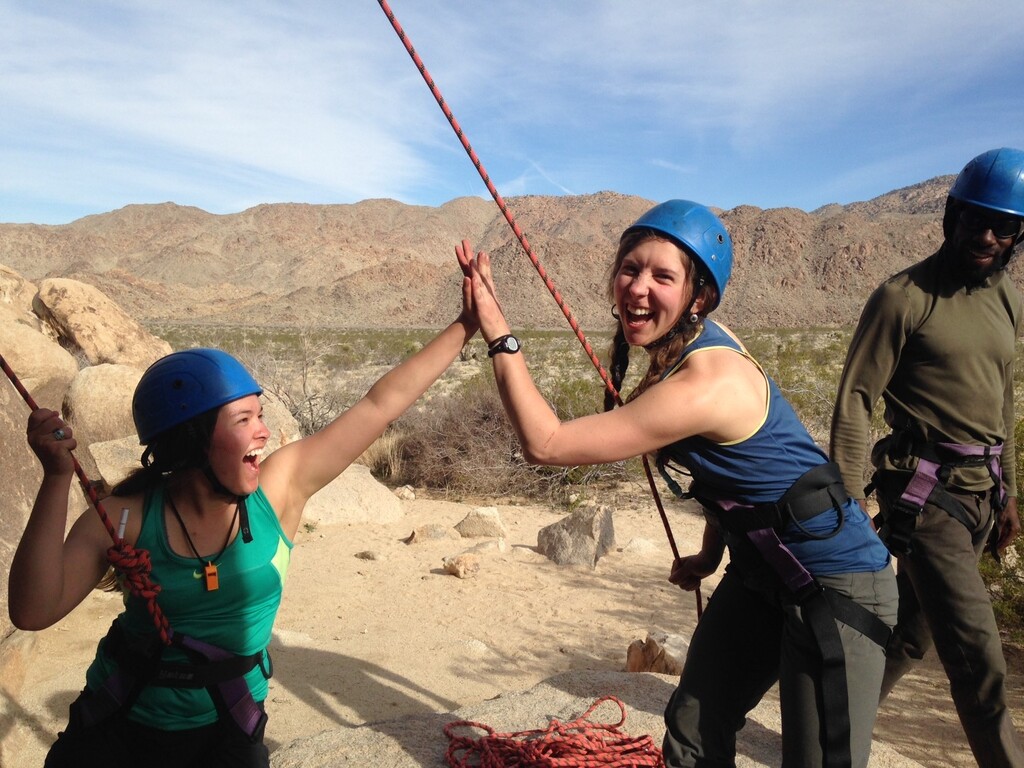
(685, 321)
(243, 512)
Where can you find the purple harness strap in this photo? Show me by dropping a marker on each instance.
(236, 697)
(796, 578)
(926, 476)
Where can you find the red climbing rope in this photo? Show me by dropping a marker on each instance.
(579, 744)
(549, 284)
(133, 564)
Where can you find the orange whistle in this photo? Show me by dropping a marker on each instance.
(210, 572)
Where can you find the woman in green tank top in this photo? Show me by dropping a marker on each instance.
(218, 520)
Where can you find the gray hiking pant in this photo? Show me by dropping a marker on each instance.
(943, 600)
(745, 642)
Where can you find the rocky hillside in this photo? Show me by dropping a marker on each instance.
(380, 263)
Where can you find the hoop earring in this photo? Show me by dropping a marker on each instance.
(694, 318)
(615, 314)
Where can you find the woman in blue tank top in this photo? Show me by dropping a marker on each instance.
(808, 597)
(217, 521)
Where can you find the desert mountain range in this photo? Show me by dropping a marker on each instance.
(384, 264)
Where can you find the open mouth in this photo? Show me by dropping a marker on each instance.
(637, 316)
(252, 458)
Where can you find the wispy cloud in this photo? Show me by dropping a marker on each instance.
(230, 104)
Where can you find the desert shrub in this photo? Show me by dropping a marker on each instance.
(463, 444)
(384, 456)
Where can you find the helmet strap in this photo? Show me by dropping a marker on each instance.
(243, 512)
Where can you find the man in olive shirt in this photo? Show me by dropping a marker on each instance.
(936, 343)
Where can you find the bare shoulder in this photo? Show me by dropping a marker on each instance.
(123, 513)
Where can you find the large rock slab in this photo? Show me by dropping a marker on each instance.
(85, 319)
(355, 496)
(419, 742)
(16, 294)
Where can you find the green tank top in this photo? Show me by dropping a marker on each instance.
(237, 617)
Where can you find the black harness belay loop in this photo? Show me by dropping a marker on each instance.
(140, 664)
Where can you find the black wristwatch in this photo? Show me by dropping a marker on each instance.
(507, 343)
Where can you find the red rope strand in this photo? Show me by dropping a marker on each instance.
(133, 564)
(579, 744)
(548, 283)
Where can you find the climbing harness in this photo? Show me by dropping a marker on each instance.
(578, 744)
(548, 283)
(139, 664)
(816, 490)
(211, 667)
(927, 485)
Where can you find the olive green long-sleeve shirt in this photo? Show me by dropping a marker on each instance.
(941, 357)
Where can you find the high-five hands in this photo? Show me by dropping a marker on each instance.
(484, 302)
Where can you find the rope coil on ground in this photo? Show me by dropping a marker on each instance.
(578, 744)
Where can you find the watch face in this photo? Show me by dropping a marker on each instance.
(506, 344)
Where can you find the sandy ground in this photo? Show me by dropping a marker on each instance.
(363, 640)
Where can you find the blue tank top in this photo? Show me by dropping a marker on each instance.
(761, 467)
(238, 617)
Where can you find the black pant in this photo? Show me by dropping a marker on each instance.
(118, 742)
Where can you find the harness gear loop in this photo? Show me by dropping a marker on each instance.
(578, 744)
(548, 283)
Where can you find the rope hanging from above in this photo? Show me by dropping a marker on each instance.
(549, 284)
(578, 744)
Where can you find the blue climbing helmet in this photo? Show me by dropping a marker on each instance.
(186, 384)
(699, 231)
(994, 179)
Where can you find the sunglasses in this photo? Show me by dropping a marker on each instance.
(1002, 226)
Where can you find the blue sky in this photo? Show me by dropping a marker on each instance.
(225, 105)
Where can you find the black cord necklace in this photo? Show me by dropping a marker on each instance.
(209, 566)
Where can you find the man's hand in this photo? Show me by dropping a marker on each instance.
(1009, 524)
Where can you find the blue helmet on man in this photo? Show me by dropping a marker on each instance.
(699, 232)
(186, 384)
(995, 180)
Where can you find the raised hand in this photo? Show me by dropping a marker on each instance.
(485, 304)
(52, 442)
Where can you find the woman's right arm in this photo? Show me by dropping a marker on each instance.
(651, 421)
(50, 576)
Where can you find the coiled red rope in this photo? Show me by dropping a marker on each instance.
(579, 744)
(548, 283)
(133, 564)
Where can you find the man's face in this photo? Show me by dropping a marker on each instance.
(981, 241)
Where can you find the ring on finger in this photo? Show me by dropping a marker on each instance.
(59, 434)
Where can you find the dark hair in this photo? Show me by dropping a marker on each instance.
(665, 355)
(180, 447)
